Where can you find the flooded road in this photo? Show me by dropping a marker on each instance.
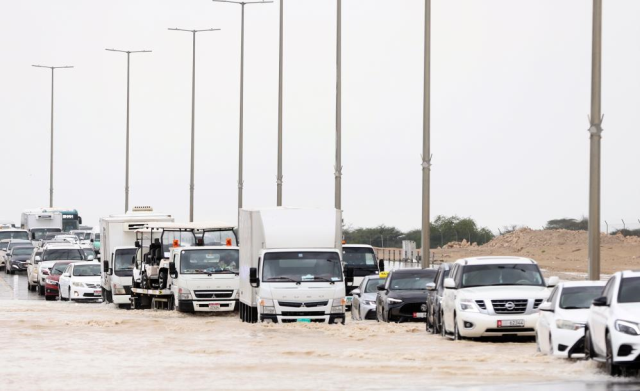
(14, 287)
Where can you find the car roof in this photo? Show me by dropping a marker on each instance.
(62, 246)
(357, 246)
(373, 276)
(572, 284)
(407, 271)
(86, 263)
(630, 273)
(495, 260)
(19, 241)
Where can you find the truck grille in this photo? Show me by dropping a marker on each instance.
(301, 313)
(310, 304)
(213, 294)
(295, 320)
(481, 304)
(509, 306)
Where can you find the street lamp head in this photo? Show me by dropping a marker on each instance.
(242, 2)
(193, 31)
(52, 67)
(128, 51)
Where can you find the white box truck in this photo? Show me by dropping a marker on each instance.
(39, 222)
(291, 266)
(118, 236)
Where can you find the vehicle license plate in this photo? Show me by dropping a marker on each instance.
(97, 293)
(304, 320)
(214, 306)
(419, 314)
(349, 299)
(511, 323)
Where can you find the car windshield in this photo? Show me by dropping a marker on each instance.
(219, 238)
(629, 290)
(19, 244)
(3, 245)
(59, 268)
(302, 267)
(60, 254)
(412, 281)
(41, 233)
(14, 235)
(87, 270)
(579, 297)
(359, 257)
(372, 285)
(501, 274)
(124, 261)
(22, 251)
(209, 261)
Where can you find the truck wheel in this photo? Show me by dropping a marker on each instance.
(171, 305)
(144, 281)
(162, 279)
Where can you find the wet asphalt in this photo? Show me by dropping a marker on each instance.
(14, 287)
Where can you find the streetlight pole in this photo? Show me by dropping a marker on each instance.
(338, 167)
(281, 52)
(126, 183)
(595, 135)
(426, 142)
(51, 153)
(241, 130)
(193, 116)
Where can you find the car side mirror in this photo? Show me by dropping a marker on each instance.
(91, 240)
(172, 270)
(253, 277)
(449, 283)
(553, 281)
(37, 258)
(600, 302)
(355, 292)
(431, 286)
(546, 306)
(381, 287)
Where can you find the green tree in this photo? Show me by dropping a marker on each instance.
(570, 224)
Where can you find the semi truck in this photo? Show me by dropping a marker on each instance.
(291, 266)
(117, 238)
(361, 261)
(191, 267)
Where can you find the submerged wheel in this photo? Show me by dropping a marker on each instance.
(588, 346)
(612, 368)
(456, 332)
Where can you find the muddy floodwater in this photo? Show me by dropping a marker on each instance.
(80, 346)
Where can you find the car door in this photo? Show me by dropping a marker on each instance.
(63, 282)
(545, 319)
(448, 301)
(598, 319)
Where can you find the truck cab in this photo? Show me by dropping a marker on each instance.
(361, 261)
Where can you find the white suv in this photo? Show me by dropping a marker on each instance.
(493, 296)
(612, 333)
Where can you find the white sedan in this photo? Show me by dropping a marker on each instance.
(560, 328)
(80, 281)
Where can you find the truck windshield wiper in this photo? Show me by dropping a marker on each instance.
(315, 278)
(281, 279)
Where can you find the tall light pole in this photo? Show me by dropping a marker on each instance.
(338, 167)
(51, 154)
(193, 115)
(281, 51)
(126, 183)
(595, 134)
(241, 131)
(426, 142)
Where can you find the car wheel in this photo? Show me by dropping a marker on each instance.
(443, 330)
(551, 351)
(162, 279)
(40, 290)
(50, 298)
(456, 332)
(588, 345)
(172, 303)
(612, 369)
(69, 294)
(60, 294)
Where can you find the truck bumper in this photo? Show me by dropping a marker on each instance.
(330, 319)
(207, 305)
(121, 299)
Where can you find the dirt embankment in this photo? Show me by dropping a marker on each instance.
(554, 250)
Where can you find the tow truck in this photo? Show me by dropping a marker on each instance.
(192, 267)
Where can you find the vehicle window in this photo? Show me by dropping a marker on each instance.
(552, 295)
(60, 254)
(209, 261)
(629, 290)
(13, 235)
(3, 245)
(185, 239)
(359, 256)
(372, 285)
(574, 298)
(22, 251)
(37, 254)
(123, 262)
(219, 238)
(412, 281)
(608, 288)
(86, 270)
(59, 268)
(87, 252)
(301, 267)
(19, 244)
(438, 276)
(445, 275)
(501, 274)
(69, 269)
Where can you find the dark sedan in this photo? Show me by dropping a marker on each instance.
(434, 299)
(16, 260)
(403, 296)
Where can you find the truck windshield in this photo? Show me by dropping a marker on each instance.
(219, 238)
(124, 262)
(501, 274)
(14, 235)
(40, 233)
(63, 254)
(301, 267)
(209, 261)
(185, 239)
(361, 259)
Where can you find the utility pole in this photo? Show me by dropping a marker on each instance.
(426, 142)
(193, 116)
(595, 135)
(241, 131)
(338, 167)
(126, 182)
(51, 153)
(279, 177)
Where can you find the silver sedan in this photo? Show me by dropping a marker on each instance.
(364, 298)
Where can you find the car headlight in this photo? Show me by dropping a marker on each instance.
(51, 282)
(75, 283)
(393, 301)
(369, 302)
(184, 294)
(568, 325)
(468, 306)
(626, 327)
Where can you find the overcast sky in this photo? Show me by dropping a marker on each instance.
(510, 99)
